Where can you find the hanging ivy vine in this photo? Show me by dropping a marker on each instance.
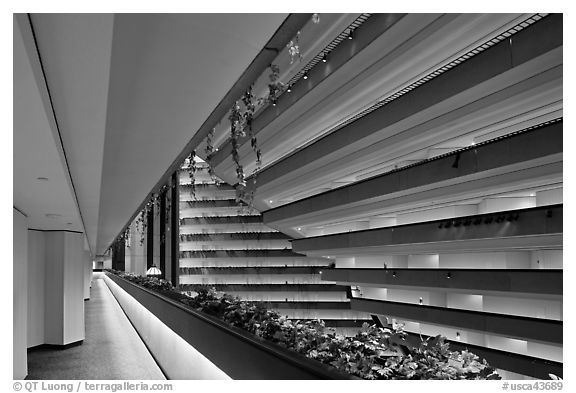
(156, 202)
(192, 172)
(236, 132)
(209, 150)
(294, 48)
(142, 221)
(275, 87)
(125, 237)
(241, 118)
(168, 205)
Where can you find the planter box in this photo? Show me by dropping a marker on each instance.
(237, 353)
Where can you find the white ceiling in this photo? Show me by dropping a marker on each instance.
(76, 57)
(129, 91)
(37, 153)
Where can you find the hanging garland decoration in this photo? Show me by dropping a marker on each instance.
(142, 221)
(191, 173)
(124, 236)
(156, 202)
(294, 48)
(127, 237)
(141, 224)
(248, 100)
(240, 122)
(236, 132)
(275, 87)
(208, 151)
(168, 205)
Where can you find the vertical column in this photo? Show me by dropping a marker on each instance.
(87, 261)
(156, 233)
(162, 227)
(167, 272)
(137, 250)
(19, 295)
(64, 290)
(118, 255)
(174, 229)
(128, 249)
(150, 238)
(36, 287)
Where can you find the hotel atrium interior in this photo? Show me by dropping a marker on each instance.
(288, 196)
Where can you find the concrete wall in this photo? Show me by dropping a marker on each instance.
(73, 279)
(136, 253)
(87, 260)
(36, 288)
(56, 287)
(19, 295)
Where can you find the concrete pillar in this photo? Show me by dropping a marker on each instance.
(168, 235)
(19, 295)
(128, 250)
(137, 251)
(87, 261)
(106, 262)
(156, 236)
(64, 290)
(36, 287)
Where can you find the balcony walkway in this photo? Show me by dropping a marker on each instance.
(111, 350)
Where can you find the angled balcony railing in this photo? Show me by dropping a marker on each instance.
(234, 236)
(535, 281)
(476, 161)
(221, 220)
(252, 270)
(524, 328)
(520, 227)
(239, 253)
(269, 287)
(474, 68)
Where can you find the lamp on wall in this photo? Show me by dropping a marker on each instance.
(154, 272)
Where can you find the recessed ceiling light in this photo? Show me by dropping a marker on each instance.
(42, 178)
(305, 76)
(270, 201)
(299, 228)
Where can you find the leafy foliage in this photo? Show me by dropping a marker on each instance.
(373, 353)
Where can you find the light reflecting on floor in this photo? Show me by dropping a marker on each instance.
(111, 350)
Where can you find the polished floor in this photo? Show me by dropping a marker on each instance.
(111, 350)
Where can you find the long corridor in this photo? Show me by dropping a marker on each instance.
(112, 348)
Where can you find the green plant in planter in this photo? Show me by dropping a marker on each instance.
(373, 353)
